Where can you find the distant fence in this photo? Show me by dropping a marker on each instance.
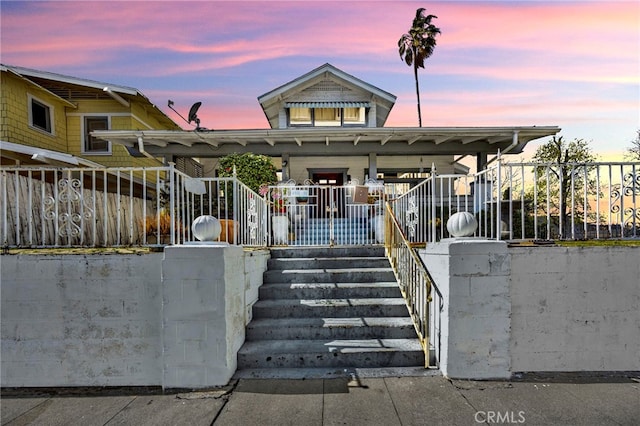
(520, 201)
(52, 207)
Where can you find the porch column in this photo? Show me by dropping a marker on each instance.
(373, 166)
(481, 161)
(285, 167)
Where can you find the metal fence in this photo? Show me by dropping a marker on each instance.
(53, 207)
(424, 300)
(313, 215)
(528, 201)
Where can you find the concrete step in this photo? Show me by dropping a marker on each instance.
(324, 252)
(331, 328)
(330, 308)
(325, 308)
(328, 275)
(327, 263)
(363, 353)
(329, 290)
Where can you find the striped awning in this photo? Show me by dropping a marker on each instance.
(327, 104)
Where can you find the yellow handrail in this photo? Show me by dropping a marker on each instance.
(413, 278)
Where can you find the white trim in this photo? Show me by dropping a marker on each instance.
(122, 101)
(83, 132)
(45, 155)
(135, 117)
(72, 80)
(52, 115)
(112, 114)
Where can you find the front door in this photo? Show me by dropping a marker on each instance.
(328, 178)
(329, 202)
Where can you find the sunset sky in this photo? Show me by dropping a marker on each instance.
(575, 65)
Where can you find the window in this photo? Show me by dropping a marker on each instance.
(300, 116)
(354, 116)
(327, 117)
(93, 145)
(40, 115)
(334, 117)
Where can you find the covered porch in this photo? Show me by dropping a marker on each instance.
(356, 153)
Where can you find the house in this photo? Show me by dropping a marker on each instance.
(48, 119)
(329, 127)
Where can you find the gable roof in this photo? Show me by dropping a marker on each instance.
(273, 100)
(42, 79)
(29, 72)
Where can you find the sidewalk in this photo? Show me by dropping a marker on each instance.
(425, 400)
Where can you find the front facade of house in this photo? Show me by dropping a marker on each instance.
(328, 126)
(328, 98)
(48, 119)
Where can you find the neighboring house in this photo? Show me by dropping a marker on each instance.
(48, 118)
(328, 126)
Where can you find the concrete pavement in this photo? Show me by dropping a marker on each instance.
(351, 400)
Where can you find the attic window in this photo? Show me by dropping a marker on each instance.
(321, 114)
(40, 115)
(300, 116)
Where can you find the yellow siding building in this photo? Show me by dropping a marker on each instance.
(46, 113)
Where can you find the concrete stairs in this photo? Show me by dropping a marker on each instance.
(329, 308)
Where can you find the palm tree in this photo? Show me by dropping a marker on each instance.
(417, 45)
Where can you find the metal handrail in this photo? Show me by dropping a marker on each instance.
(417, 287)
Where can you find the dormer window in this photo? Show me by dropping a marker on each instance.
(327, 114)
(354, 116)
(300, 116)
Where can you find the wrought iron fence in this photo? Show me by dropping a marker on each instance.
(312, 215)
(423, 298)
(521, 201)
(50, 207)
(53, 207)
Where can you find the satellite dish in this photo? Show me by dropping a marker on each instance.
(193, 111)
(192, 114)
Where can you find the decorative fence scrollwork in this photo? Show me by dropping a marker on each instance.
(68, 207)
(627, 191)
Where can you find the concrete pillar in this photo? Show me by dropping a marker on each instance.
(202, 314)
(373, 166)
(473, 276)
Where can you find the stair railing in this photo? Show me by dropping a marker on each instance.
(422, 296)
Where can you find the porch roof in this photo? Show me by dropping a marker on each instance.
(354, 141)
(14, 153)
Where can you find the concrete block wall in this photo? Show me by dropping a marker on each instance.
(575, 309)
(96, 320)
(254, 266)
(536, 309)
(81, 320)
(203, 311)
(473, 277)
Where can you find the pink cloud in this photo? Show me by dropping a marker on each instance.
(217, 35)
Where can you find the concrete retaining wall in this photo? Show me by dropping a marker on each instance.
(93, 320)
(81, 320)
(575, 309)
(566, 309)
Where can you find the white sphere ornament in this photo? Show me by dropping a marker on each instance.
(462, 224)
(206, 228)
